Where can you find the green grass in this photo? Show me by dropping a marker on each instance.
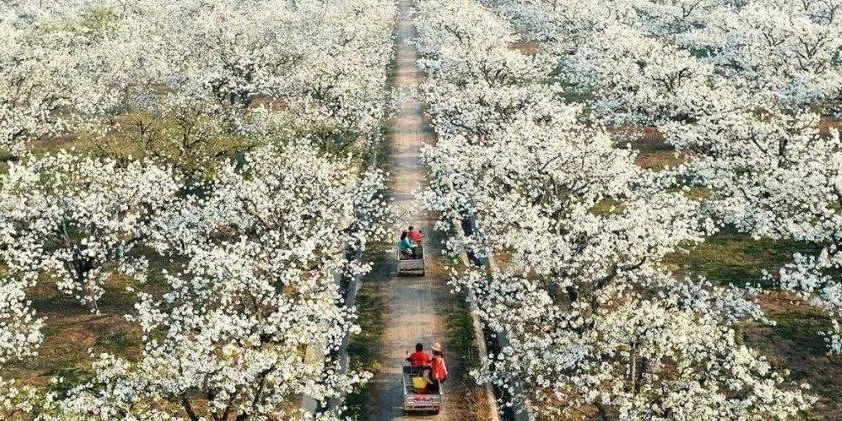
(73, 334)
(460, 336)
(795, 343)
(70, 377)
(803, 330)
(607, 207)
(461, 345)
(118, 343)
(729, 257)
(363, 347)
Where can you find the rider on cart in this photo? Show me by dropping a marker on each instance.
(406, 246)
(433, 369)
(415, 236)
(411, 244)
(419, 358)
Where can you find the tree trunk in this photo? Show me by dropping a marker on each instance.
(185, 403)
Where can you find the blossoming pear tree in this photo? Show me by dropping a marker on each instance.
(20, 328)
(222, 138)
(37, 98)
(77, 219)
(755, 95)
(228, 339)
(582, 231)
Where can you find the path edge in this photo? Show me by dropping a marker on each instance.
(479, 336)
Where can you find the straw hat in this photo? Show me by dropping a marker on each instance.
(436, 347)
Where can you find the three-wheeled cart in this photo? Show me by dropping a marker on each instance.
(419, 399)
(411, 265)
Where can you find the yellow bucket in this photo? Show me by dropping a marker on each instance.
(419, 383)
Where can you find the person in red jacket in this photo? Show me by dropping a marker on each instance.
(419, 358)
(438, 368)
(418, 240)
(415, 236)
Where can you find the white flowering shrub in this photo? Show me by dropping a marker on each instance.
(20, 337)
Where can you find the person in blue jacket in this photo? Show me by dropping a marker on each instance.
(406, 246)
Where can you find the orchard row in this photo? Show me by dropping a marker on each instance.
(213, 158)
(531, 170)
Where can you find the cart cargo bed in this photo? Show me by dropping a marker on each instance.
(428, 400)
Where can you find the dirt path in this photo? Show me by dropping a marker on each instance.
(417, 306)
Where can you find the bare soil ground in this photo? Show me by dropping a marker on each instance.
(73, 334)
